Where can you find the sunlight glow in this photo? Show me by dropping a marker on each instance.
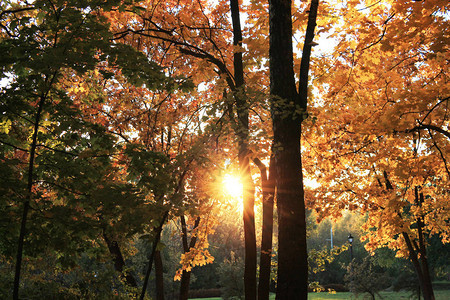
(232, 187)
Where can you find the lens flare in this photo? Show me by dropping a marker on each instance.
(232, 187)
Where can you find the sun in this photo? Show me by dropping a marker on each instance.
(232, 187)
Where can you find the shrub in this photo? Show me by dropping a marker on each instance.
(232, 278)
(408, 281)
(365, 277)
(337, 287)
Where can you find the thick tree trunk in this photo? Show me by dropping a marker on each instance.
(119, 262)
(292, 253)
(159, 276)
(268, 187)
(288, 110)
(186, 276)
(244, 162)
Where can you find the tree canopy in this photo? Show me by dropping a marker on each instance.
(121, 119)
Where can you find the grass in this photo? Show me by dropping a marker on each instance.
(439, 294)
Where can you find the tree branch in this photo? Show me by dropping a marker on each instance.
(13, 11)
(15, 147)
(440, 152)
(429, 127)
(382, 34)
(306, 56)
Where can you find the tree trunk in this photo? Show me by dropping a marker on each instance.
(186, 276)
(159, 276)
(422, 273)
(119, 262)
(152, 254)
(417, 253)
(422, 250)
(244, 162)
(267, 228)
(427, 289)
(288, 110)
(29, 193)
(292, 253)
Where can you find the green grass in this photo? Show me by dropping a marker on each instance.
(439, 294)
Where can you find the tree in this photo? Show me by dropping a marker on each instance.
(206, 44)
(159, 276)
(231, 278)
(74, 40)
(385, 118)
(186, 276)
(288, 109)
(209, 44)
(242, 131)
(268, 192)
(102, 146)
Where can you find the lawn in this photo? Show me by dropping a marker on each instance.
(440, 295)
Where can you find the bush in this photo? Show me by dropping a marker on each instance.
(232, 278)
(407, 281)
(337, 287)
(365, 277)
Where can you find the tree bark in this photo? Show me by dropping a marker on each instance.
(186, 276)
(159, 276)
(29, 190)
(288, 111)
(119, 262)
(417, 253)
(268, 192)
(244, 162)
(152, 254)
(427, 288)
(421, 268)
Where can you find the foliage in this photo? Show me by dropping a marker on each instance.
(335, 287)
(90, 279)
(133, 109)
(365, 277)
(439, 257)
(407, 281)
(82, 181)
(320, 258)
(231, 274)
(330, 265)
(383, 112)
(386, 133)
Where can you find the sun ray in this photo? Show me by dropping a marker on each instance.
(232, 189)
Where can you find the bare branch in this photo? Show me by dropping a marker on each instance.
(429, 127)
(14, 146)
(440, 152)
(382, 34)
